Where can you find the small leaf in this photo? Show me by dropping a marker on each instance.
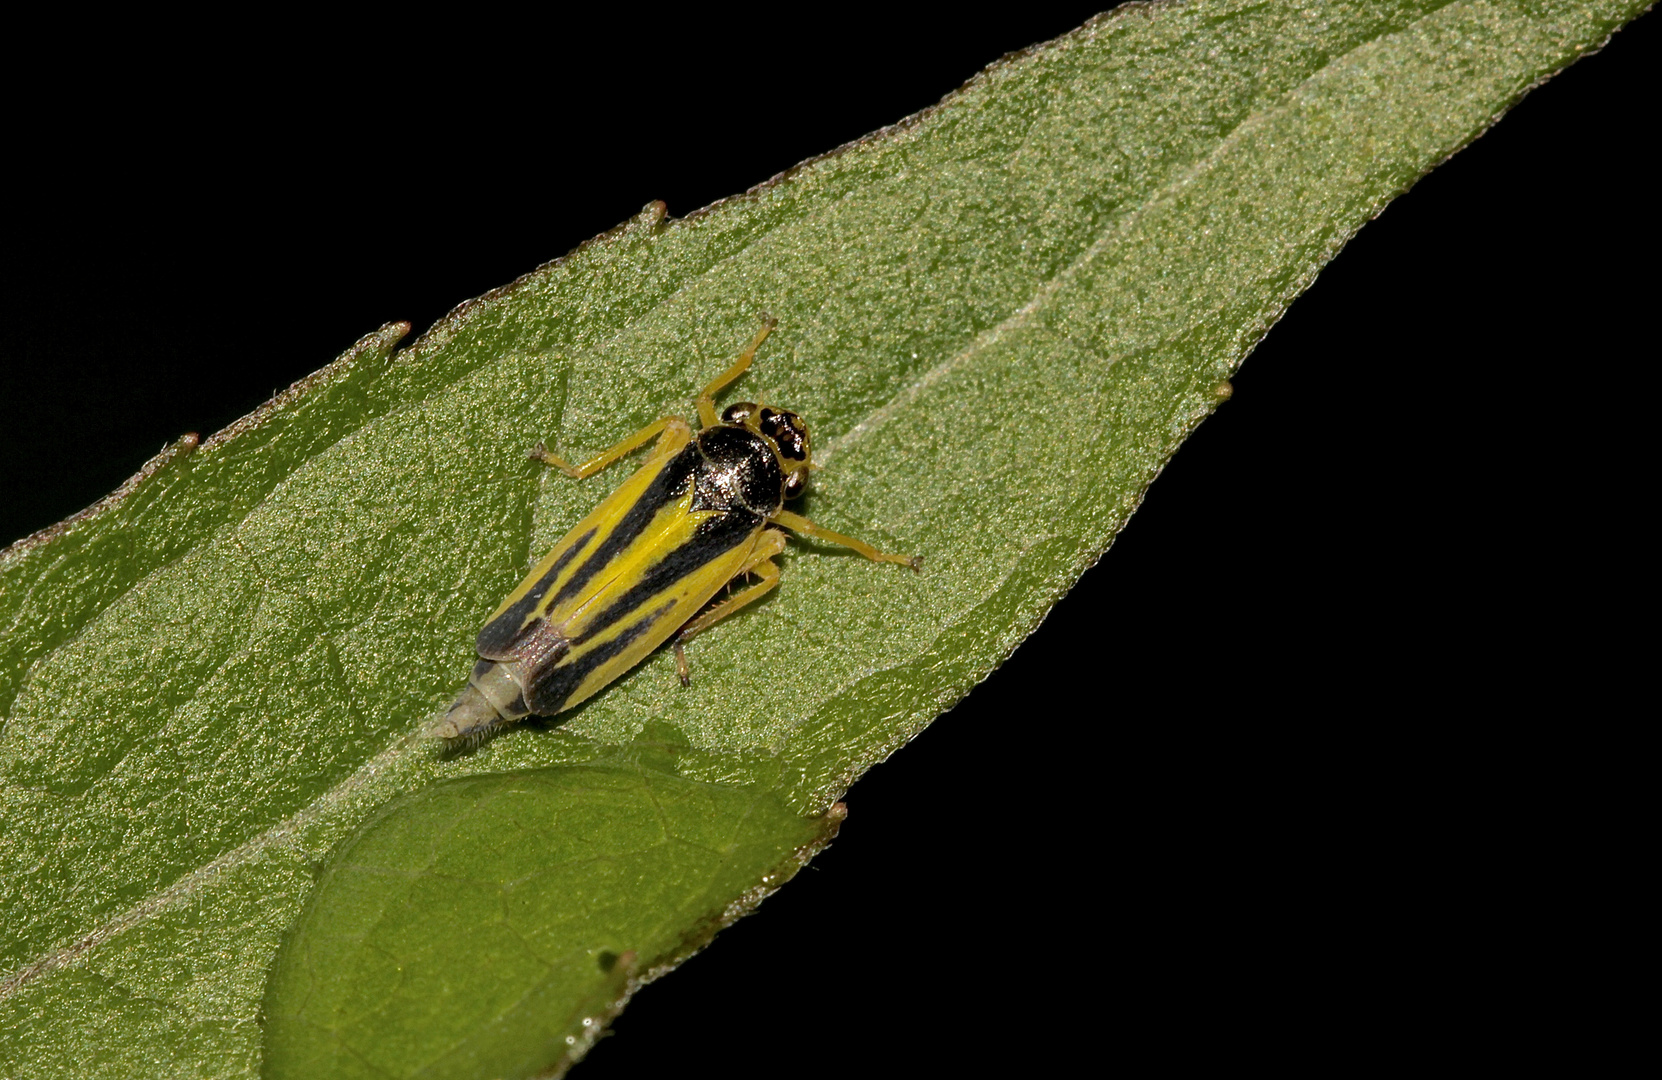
(1001, 318)
(489, 926)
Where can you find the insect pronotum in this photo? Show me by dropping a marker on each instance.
(707, 508)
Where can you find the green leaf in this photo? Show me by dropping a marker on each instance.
(559, 882)
(214, 680)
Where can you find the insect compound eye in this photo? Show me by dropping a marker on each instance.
(738, 412)
(788, 431)
(795, 484)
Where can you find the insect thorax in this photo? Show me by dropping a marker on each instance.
(738, 470)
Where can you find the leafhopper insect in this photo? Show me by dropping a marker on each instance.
(706, 509)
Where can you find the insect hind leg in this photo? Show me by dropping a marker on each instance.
(760, 563)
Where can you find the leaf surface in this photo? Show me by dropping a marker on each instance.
(560, 883)
(1000, 319)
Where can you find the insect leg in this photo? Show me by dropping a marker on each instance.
(802, 526)
(706, 400)
(760, 563)
(669, 427)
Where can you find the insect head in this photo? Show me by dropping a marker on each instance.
(785, 430)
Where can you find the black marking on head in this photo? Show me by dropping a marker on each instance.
(739, 472)
(715, 537)
(738, 412)
(796, 484)
(666, 488)
(787, 431)
(552, 687)
(501, 634)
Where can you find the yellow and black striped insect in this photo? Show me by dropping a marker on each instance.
(705, 510)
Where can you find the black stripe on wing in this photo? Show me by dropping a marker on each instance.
(551, 687)
(497, 641)
(715, 537)
(666, 488)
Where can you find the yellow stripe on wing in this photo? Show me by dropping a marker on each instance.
(662, 580)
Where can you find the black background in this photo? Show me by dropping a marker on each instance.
(1320, 698)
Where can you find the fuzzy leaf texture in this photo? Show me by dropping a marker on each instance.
(228, 850)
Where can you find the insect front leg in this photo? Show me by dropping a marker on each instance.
(803, 527)
(760, 563)
(706, 400)
(672, 429)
